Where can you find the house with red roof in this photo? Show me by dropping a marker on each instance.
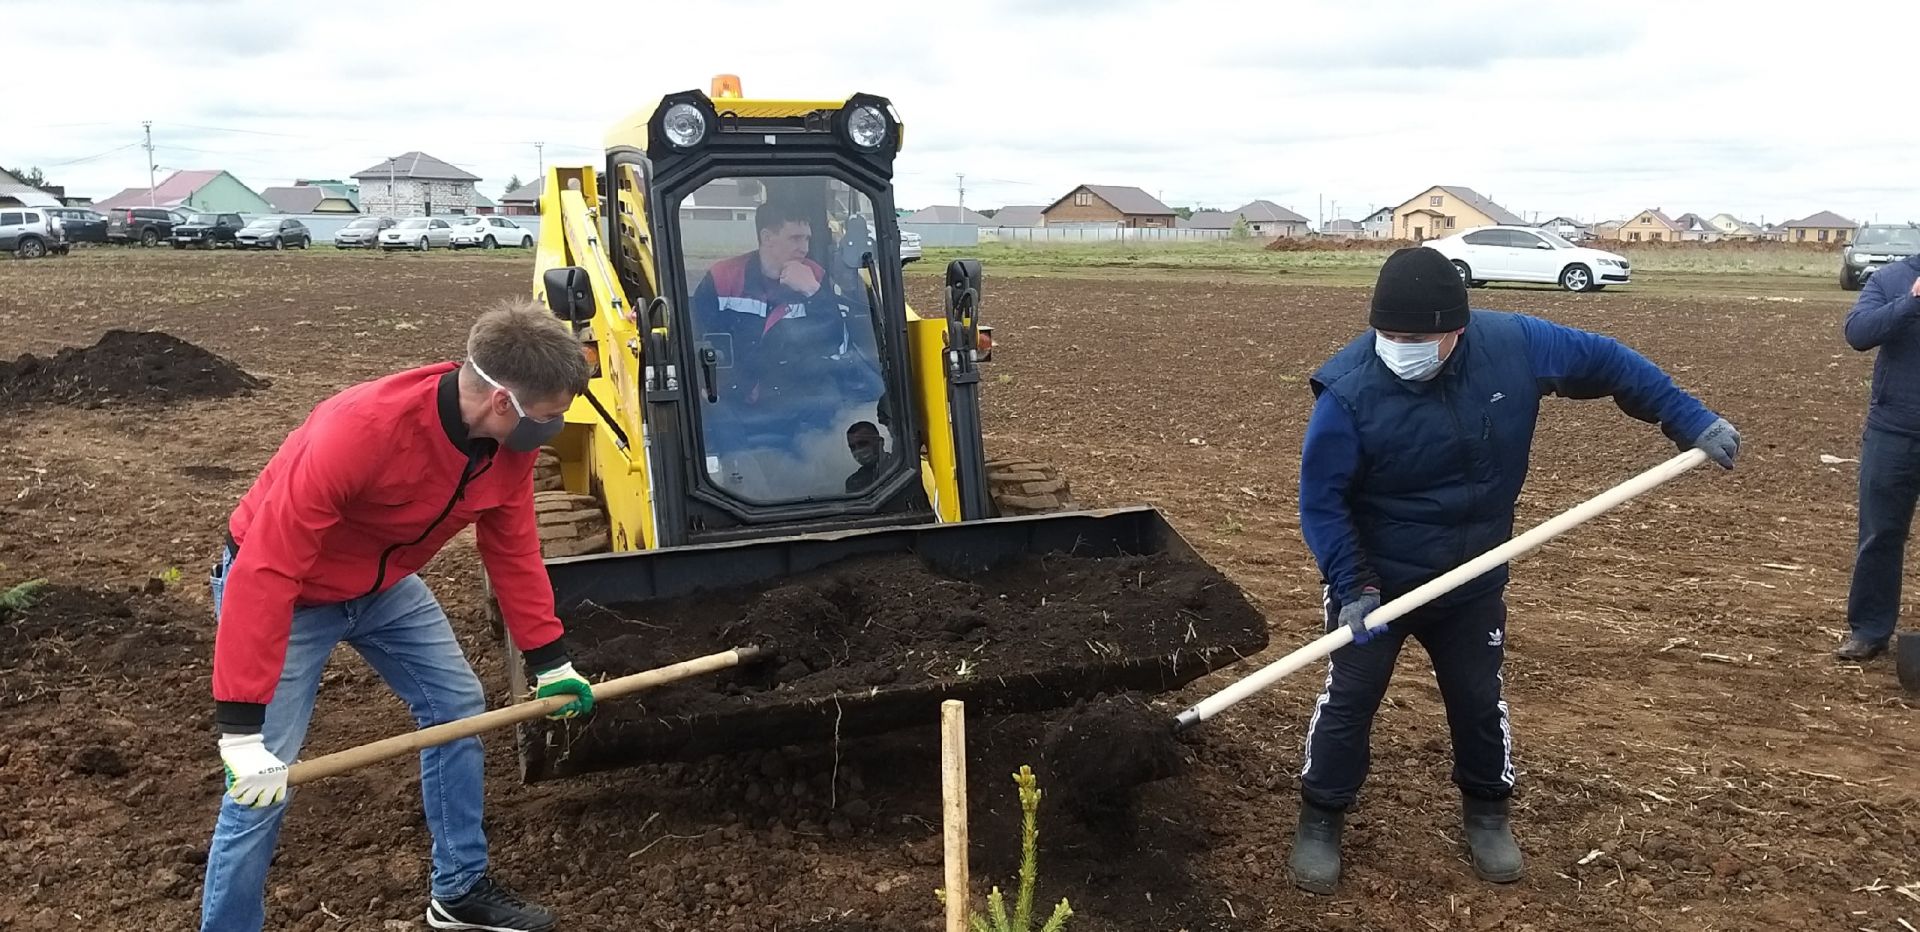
(210, 190)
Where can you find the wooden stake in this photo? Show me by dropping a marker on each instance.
(953, 790)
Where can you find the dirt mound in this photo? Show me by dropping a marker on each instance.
(124, 367)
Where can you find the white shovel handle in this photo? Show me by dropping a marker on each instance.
(1511, 550)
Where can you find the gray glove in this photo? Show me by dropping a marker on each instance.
(1720, 441)
(1354, 615)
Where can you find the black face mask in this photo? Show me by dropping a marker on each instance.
(528, 434)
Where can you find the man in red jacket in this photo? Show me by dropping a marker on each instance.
(325, 547)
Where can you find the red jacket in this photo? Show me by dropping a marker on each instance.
(359, 497)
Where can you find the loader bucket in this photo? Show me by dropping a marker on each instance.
(869, 630)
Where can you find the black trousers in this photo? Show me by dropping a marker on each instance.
(1466, 643)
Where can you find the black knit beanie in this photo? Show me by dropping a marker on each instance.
(1419, 291)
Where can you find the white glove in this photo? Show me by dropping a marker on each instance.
(254, 776)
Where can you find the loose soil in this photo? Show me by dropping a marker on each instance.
(1688, 755)
(894, 621)
(124, 367)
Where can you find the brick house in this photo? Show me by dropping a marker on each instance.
(416, 185)
(1443, 210)
(1109, 205)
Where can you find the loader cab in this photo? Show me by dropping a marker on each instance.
(774, 248)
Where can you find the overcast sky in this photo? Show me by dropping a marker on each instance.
(1586, 109)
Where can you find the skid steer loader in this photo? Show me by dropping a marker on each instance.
(733, 271)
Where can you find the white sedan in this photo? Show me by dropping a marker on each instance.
(1525, 254)
(489, 232)
(417, 233)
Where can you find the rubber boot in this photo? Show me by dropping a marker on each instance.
(1490, 840)
(1315, 864)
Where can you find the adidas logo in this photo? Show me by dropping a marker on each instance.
(1496, 637)
(1496, 397)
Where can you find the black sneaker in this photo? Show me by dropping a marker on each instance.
(489, 907)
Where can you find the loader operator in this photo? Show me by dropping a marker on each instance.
(325, 547)
(767, 312)
(1413, 459)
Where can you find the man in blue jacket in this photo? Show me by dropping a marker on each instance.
(1889, 453)
(1414, 457)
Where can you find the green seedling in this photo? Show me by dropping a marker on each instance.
(21, 597)
(997, 919)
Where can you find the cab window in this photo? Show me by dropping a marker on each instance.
(791, 393)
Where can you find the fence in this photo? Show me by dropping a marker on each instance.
(1099, 234)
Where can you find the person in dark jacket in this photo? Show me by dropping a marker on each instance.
(1414, 457)
(1884, 319)
(325, 548)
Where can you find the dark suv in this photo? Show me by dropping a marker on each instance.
(144, 225)
(1874, 246)
(83, 225)
(207, 231)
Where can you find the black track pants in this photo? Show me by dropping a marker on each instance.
(1466, 643)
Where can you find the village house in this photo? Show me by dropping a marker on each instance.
(1648, 226)
(1109, 205)
(1443, 210)
(209, 190)
(1823, 227)
(415, 185)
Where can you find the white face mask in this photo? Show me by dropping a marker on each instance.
(1415, 362)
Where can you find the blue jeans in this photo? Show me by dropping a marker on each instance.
(404, 636)
(1889, 484)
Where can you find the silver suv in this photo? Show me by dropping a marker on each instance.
(31, 232)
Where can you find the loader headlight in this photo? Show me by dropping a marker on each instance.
(685, 125)
(867, 127)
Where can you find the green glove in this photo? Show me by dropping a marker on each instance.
(564, 679)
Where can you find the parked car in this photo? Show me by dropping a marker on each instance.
(1525, 254)
(82, 225)
(274, 233)
(417, 233)
(205, 231)
(362, 233)
(489, 232)
(909, 247)
(1875, 246)
(31, 233)
(144, 225)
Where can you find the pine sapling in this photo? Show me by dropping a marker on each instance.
(21, 597)
(996, 919)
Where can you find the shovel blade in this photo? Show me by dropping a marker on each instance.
(1906, 661)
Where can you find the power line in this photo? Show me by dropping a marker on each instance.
(96, 155)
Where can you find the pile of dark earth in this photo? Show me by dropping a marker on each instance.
(124, 367)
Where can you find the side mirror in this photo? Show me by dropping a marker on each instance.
(963, 288)
(569, 294)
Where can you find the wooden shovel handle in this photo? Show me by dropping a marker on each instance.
(1473, 569)
(354, 758)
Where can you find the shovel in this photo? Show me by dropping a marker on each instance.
(1906, 660)
(1514, 549)
(355, 758)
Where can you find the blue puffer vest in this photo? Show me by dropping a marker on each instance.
(1442, 461)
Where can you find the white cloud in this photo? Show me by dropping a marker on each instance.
(1560, 108)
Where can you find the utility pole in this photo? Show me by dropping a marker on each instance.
(393, 200)
(961, 177)
(1322, 209)
(147, 126)
(540, 156)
